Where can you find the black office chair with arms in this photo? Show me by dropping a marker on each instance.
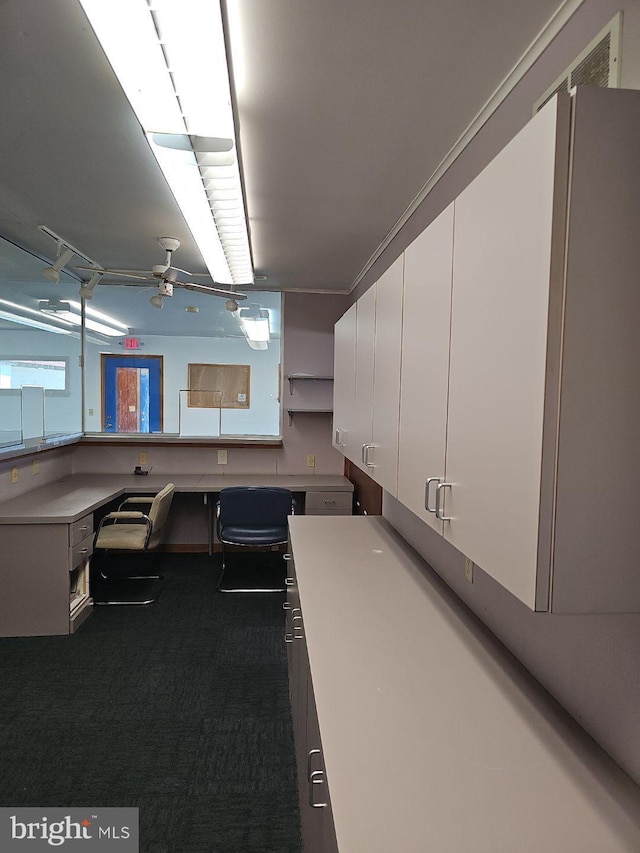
(253, 517)
(130, 531)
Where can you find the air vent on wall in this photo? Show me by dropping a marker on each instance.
(597, 65)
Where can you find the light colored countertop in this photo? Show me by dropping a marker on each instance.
(434, 737)
(67, 500)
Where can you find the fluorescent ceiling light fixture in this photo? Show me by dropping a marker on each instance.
(170, 59)
(24, 309)
(254, 322)
(62, 311)
(33, 324)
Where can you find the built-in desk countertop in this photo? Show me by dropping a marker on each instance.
(434, 737)
(67, 500)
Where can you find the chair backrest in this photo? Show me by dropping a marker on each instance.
(158, 513)
(254, 506)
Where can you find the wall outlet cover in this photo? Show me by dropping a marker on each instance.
(468, 569)
(311, 460)
(222, 457)
(14, 475)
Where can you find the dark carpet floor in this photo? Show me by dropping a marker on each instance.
(180, 708)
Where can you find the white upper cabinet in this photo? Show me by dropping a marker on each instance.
(425, 367)
(543, 429)
(519, 417)
(505, 277)
(360, 448)
(344, 381)
(383, 456)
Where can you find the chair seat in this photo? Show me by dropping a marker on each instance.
(122, 537)
(237, 535)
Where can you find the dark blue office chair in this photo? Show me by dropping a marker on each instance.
(252, 517)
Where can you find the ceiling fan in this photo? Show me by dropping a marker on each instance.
(165, 276)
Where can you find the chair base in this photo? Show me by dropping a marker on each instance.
(138, 591)
(252, 573)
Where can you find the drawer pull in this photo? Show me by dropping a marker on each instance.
(289, 581)
(329, 501)
(83, 551)
(317, 778)
(286, 605)
(287, 557)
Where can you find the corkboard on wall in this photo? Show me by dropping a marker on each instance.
(213, 386)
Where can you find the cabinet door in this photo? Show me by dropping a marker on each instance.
(344, 382)
(425, 366)
(506, 281)
(362, 418)
(386, 384)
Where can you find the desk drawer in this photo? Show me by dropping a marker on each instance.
(328, 503)
(80, 552)
(80, 529)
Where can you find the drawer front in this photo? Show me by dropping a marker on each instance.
(329, 503)
(80, 552)
(80, 529)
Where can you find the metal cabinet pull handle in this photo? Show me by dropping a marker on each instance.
(289, 581)
(312, 752)
(288, 637)
(366, 449)
(427, 488)
(338, 437)
(439, 488)
(316, 778)
(286, 605)
(83, 551)
(287, 557)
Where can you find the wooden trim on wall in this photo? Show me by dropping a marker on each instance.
(367, 494)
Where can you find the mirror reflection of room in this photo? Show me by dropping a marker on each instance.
(192, 368)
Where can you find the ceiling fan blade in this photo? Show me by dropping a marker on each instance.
(212, 291)
(127, 273)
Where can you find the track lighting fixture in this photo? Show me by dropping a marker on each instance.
(86, 291)
(52, 273)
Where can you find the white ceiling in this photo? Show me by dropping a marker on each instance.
(345, 109)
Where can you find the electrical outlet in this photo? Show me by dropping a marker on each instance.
(35, 467)
(222, 457)
(142, 457)
(468, 569)
(14, 475)
(311, 460)
(90, 413)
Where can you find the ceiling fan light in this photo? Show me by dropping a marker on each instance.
(157, 301)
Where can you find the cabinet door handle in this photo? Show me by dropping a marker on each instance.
(366, 448)
(83, 551)
(338, 437)
(362, 453)
(286, 605)
(287, 557)
(312, 752)
(439, 488)
(427, 488)
(289, 581)
(316, 778)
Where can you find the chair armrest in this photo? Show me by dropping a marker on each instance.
(115, 517)
(121, 515)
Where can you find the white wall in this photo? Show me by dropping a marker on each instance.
(63, 412)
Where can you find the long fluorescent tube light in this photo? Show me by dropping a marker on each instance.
(254, 322)
(33, 324)
(61, 310)
(170, 59)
